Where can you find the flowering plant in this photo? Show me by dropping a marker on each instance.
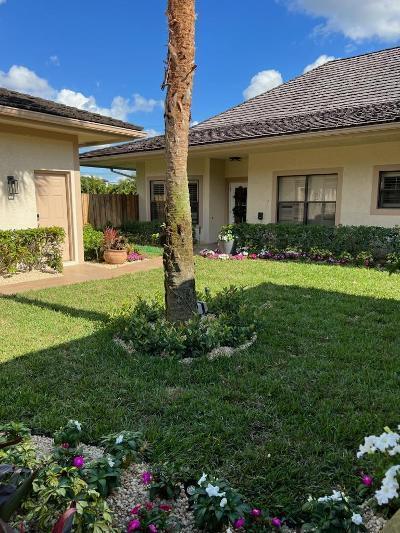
(66, 449)
(384, 448)
(102, 475)
(112, 240)
(125, 446)
(135, 256)
(152, 518)
(216, 504)
(226, 233)
(166, 482)
(334, 513)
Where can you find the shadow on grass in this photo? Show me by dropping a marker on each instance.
(279, 421)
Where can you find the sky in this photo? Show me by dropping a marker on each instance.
(108, 57)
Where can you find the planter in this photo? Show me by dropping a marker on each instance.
(115, 257)
(226, 247)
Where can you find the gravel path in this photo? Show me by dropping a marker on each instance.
(132, 492)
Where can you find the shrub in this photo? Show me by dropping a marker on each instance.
(27, 249)
(166, 481)
(126, 446)
(376, 241)
(333, 514)
(144, 232)
(92, 242)
(231, 322)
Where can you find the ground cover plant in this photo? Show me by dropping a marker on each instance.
(280, 421)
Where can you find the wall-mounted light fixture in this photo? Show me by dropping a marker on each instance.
(12, 186)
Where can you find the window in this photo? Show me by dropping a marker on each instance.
(389, 190)
(157, 200)
(307, 199)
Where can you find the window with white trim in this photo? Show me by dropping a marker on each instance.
(389, 190)
(307, 199)
(158, 196)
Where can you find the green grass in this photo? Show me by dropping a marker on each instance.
(280, 421)
(149, 251)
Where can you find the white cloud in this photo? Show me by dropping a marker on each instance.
(356, 19)
(152, 133)
(2, 2)
(321, 60)
(194, 123)
(22, 79)
(262, 82)
(54, 60)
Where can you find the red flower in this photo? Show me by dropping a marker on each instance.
(165, 507)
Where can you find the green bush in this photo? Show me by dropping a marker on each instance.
(378, 242)
(26, 249)
(144, 232)
(92, 242)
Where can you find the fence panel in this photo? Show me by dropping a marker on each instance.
(116, 209)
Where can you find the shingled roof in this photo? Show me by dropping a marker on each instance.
(40, 105)
(356, 91)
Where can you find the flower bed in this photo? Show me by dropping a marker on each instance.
(109, 488)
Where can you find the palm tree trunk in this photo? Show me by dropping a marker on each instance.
(180, 295)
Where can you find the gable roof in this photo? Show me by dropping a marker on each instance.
(40, 105)
(355, 91)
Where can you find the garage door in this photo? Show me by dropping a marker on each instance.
(53, 205)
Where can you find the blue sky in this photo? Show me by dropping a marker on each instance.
(108, 56)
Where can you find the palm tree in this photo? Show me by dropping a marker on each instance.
(180, 294)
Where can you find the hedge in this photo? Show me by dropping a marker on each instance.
(143, 232)
(377, 241)
(28, 249)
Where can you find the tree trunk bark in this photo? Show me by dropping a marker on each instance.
(180, 294)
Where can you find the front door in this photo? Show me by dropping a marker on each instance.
(237, 203)
(52, 204)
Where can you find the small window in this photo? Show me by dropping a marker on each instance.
(389, 190)
(158, 195)
(307, 199)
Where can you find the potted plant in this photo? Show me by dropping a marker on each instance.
(115, 247)
(226, 239)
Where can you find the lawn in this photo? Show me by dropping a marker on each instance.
(280, 421)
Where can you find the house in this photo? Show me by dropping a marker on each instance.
(39, 163)
(323, 148)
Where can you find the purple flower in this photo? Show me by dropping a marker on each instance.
(152, 528)
(78, 461)
(133, 525)
(276, 522)
(256, 512)
(367, 480)
(146, 477)
(240, 522)
(65, 445)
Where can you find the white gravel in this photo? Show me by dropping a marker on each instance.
(32, 275)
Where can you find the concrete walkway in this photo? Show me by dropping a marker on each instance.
(84, 272)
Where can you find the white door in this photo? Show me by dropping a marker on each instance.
(237, 202)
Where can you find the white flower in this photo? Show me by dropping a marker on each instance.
(334, 497)
(119, 439)
(213, 490)
(76, 424)
(390, 486)
(202, 479)
(229, 530)
(110, 462)
(191, 490)
(223, 502)
(356, 519)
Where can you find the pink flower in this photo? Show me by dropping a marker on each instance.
(146, 477)
(149, 506)
(367, 480)
(255, 512)
(78, 461)
(240, 522)
(165, 507)
(65, 445)
(276, 522)
(153, 528)
(135, 509)
(133, 525)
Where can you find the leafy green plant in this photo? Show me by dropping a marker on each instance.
(151, 518)
(393, 263)
(92, 243)
(13, 433)
(216, 504)
(26, 249)
(226, 233)
(167, 480)
(144, 232)
(126, 446)
(333, 514)
(102, 475)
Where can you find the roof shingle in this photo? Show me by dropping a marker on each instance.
(40, 105)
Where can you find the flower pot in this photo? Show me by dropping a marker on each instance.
(226, 247)
(115, 257)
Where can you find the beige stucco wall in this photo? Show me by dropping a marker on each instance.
(357, 162)
(21, 156)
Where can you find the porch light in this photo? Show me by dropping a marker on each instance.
(12, 186)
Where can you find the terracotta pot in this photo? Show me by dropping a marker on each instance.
(115, 257)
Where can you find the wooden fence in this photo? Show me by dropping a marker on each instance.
(115, 209)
